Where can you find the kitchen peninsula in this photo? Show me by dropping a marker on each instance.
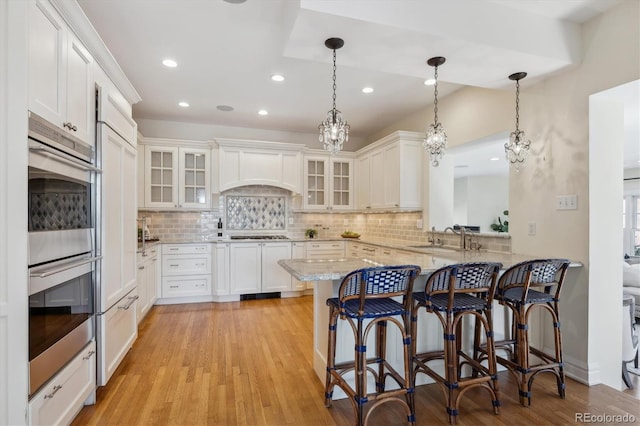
(327, 274)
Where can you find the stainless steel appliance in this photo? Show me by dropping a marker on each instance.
(62, 261)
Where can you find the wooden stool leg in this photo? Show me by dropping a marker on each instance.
(331, 356)
(558, 343)
(360, 373)
(491, 359)
(381, 350)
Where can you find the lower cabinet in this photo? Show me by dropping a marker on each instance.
(147, 281)
(221, 277)
(298, 251)
(254, 268)
(186, 270)
(59, 401)
(117, 330)
(325, 250)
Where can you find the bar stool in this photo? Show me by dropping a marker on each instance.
(367, 295)
(453, 293)
(524, 286)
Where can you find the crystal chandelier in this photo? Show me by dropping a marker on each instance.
(517, 148)
(334, 130)
(435, 141)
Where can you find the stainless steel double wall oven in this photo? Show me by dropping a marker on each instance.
(62, 261)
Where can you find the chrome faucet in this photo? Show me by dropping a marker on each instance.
(463, 237)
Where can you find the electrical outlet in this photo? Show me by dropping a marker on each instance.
(379, 221)
(290, 221)
(419, 223)
(532, 228)
(345, 222)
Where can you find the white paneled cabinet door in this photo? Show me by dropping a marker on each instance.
(221, 277)
(47, 64)
(275, 277)
(161, 177)
(119, 236)
(364, 182)
(298, 251)
(245, 268)
(80, 91)
(195, 182)
(376, 195)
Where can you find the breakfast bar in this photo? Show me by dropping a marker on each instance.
(327, 275)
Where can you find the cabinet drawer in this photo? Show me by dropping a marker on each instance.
(118, 329)
(185, 265)
(194, 285)
(185, 248)
(325, 245)
(61, 399)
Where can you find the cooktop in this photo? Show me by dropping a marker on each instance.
(258, 237)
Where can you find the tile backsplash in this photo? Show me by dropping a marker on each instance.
(267, 209)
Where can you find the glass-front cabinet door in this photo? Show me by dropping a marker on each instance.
(194, 178)
(315, 183)
(342, 184)
(161, 189)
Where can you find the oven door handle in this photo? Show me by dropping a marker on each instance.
(64, 158)
(68, 266)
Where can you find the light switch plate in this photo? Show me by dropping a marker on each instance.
(532, 228)
(290, 221)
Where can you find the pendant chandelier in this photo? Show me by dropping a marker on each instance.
(435, 142)
(334, 131)
(517, 148)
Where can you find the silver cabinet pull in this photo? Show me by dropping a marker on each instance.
(141, 267)
(132, 300)
(64, 158)
(56, 388)
(89, 355)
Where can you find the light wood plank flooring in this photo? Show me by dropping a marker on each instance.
(249, 363)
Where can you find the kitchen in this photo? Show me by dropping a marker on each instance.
(553, 110)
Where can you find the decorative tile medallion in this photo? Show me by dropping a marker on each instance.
(248, 213)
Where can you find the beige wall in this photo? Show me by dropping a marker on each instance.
(554, 114)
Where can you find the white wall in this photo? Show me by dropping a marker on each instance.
(479, 200)
(554, 114)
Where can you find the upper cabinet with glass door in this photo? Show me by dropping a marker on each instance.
(328, 183)
(176, 177)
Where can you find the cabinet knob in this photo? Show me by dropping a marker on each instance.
(141, 267)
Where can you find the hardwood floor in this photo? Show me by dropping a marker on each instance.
(249, 363)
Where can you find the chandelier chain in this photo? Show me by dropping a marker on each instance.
(517, 105)
(435, 96)
(334, 80)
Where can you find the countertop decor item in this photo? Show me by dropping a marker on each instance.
(350, 234)
(518, 146)
(435, 142)
(334, 130)
(310, 233)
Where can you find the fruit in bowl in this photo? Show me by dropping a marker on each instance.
(350, 234)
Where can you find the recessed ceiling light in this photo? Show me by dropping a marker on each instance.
(263, 112)
(225, 108)
(494, 158)
(183, 104)
(367, 90)
(235, 1)
(277, 77)
(430, 82)
(169, 63)
(461, 166)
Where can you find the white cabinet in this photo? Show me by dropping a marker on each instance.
(254, 268)
(118, 236)
(147, 281)
(328, 183)
(60, 83)
(186, 270)
(298, 251)
(60, 400)
(176, 177)
(221, 277)
(117, 330)
(389, 174)
(242, 163)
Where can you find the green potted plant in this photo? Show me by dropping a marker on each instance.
(310, 233)
(502, 225)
